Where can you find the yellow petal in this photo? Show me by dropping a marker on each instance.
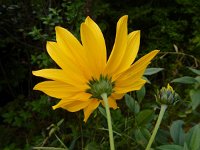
(94, 103)
(65, 61)
(131, 51)
(100, 39)
(111, 102)
(117, 96)
(94, 45)
(137, 69)
(169, 87)
(133, 45)
(69, 43)
(60, 75)
(145, 59)
(127, 87)
(119, 48)
(130, 79)
(72, 105)
(58, 54)
(72, 48)
(56, 89)
(133, 76)
(61, 90)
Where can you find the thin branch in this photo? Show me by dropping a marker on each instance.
(197, 61)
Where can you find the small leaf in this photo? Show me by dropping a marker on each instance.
(194, 70)
(102, 111)
(151, 71)
(142, 136)
(60, 122)
(198, 79)
(170, 147)
(91, 146)
(195, 97)
(185, 80)
(132, 104)
(73, 143)
(192, 138)
(175, 47)
(177, 132)
(144, 116)
(185, 147)
(140, 94)
(145, 78)
(162, 136)
(53, 130)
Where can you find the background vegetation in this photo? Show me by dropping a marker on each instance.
(27, 119)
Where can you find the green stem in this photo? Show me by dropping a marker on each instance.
(61, 142)
(161, 114)
(105, 99)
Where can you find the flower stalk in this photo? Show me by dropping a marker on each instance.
(105, 99)
(161, 114)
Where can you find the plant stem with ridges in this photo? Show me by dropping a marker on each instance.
(105, 99)
(161, 114)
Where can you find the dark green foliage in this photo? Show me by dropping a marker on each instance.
(27, 119)
(182, 140)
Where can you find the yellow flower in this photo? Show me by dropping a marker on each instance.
(85, 71)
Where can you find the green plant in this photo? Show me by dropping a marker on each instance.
(194, 92)
(182, 140)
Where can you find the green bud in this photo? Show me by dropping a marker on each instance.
(167, 96)
(100, 86)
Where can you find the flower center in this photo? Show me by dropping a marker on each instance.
(100, 86)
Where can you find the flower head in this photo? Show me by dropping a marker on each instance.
(167, 96)
(86, 73)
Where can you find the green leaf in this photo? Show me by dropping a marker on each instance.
(162, 136)
(194, 70)
(198, 79)
(195, 97)
(192, 138)
(145, 78)
(60, 122)
(91, 146)
(151, 71)
(185, 80)
(142, 136)
(52, 130)
(102, 111)
(73, 143)
(132, 104)
(177, 132)
(169, 147)
(140, 94)
(185, 146)
(144, 116)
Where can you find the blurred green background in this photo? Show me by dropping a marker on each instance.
(172, 26)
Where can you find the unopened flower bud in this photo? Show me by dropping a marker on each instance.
(167, 96)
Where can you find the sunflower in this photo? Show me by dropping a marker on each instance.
(85, 73)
